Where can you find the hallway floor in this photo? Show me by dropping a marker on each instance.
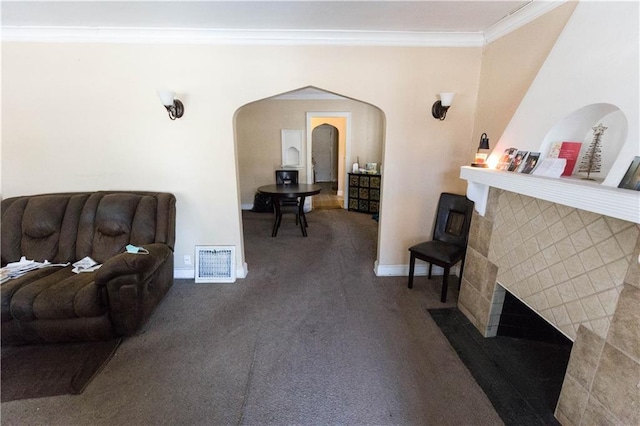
(328, 198)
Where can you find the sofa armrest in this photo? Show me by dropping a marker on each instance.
(133, 285)
(133, 264)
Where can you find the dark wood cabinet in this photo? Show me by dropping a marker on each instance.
(364, 192)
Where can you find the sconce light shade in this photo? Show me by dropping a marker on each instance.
(174, 107)
(446, 98)
(439, 109)
(481, 159)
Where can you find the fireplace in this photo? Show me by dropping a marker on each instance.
(578, 270)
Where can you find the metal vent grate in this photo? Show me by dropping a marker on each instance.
(215, 264)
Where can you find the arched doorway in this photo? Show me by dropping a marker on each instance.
(325, 149)
(324, 153)
(259, 126)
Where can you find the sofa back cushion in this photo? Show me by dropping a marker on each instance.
(42, 226)
(68, 227)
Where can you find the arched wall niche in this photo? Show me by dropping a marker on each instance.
(578, 127)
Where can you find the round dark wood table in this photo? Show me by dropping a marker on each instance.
(290, 191)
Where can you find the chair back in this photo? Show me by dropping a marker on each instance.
(453, 219)
(285, 177)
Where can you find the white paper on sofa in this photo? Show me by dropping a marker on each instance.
(86, 264)
(21, 267)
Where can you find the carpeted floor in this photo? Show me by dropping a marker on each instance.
(311, 336)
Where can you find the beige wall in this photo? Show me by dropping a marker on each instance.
(81, 116)
(509, 65)
(86, 117)
(258, 128)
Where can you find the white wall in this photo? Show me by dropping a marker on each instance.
(594, 62)
(86, 117)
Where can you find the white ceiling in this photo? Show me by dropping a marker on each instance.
(331, 19)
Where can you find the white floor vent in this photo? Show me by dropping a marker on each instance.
(215, 264)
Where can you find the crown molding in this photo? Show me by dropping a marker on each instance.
(252, 37)
(522, 16)
(519, 18)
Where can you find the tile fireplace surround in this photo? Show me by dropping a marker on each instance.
(577, 269)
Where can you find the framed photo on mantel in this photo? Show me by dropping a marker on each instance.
(631, 179)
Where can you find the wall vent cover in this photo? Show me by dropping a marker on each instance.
(215, 264)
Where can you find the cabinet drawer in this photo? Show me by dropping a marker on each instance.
(374, 194)
(364, 181)
(353, 180)
(363, 193)
(353, 204)
(353, 192)
(375, 182)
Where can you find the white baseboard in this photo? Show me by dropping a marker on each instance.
(190, 273)
(242, 271)
(421, 269)
(184, 273)
(246, 206)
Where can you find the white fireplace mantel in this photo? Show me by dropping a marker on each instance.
(586, 195)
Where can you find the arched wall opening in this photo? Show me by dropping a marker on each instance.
(259, 125)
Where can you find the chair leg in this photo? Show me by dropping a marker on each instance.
(430, 266)
(412, 265)
(445, 285)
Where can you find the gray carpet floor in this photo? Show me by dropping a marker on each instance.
(310, 337)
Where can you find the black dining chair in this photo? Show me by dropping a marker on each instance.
(448, 245)
(288, 205)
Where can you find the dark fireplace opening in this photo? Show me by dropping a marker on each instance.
(534, 354)
(519, 321)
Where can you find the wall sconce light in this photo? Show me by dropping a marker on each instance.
(481, 158)
(174, 107)
(439, 109)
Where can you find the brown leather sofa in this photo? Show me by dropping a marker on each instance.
(54, 304)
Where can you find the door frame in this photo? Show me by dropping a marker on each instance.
(347, 149)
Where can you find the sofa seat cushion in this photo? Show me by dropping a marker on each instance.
(60, 294)
(10, 287)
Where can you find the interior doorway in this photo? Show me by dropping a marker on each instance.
(324, 159)
(332, 130)
(324, 154)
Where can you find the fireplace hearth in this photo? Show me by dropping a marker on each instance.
(521, 377)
